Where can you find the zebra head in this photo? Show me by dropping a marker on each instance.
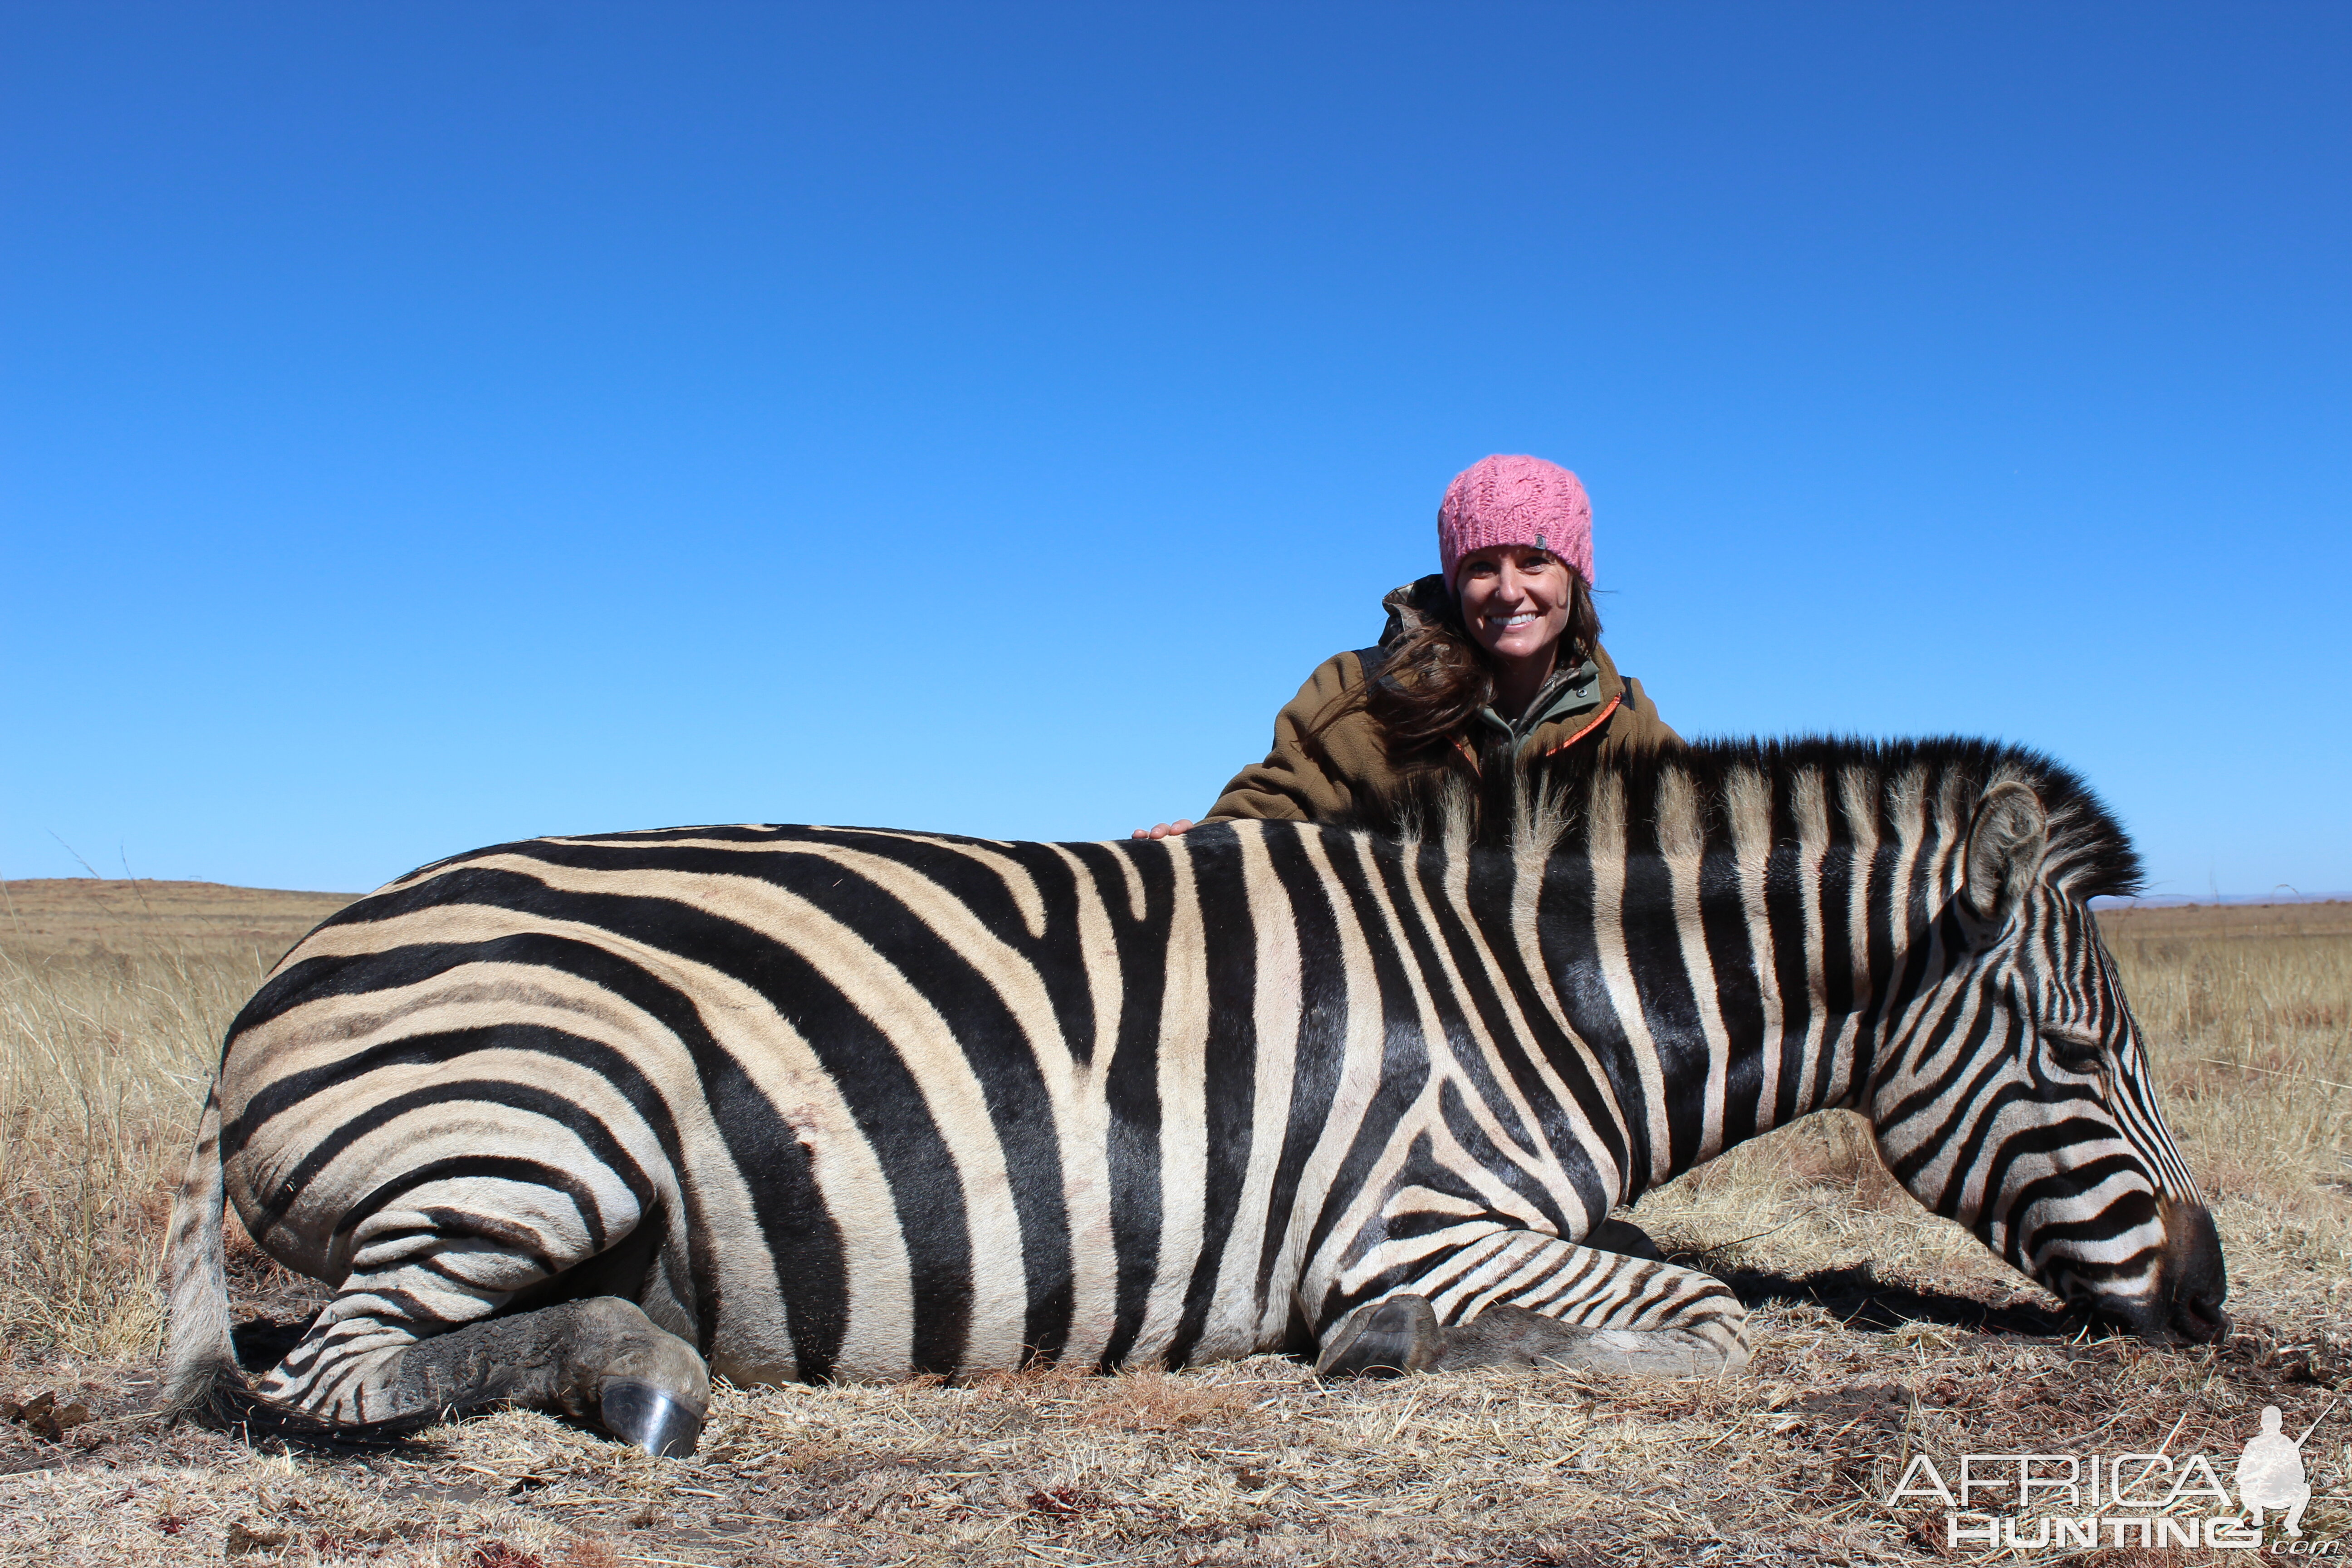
(2015, 1097)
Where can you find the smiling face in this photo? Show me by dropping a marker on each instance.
(1515, 601)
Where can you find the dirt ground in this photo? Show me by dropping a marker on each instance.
(1882, 1335)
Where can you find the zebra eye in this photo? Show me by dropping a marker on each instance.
(2077, 1050)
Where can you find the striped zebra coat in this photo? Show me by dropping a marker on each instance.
(575, 1121)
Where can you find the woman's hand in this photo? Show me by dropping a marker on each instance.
(1164, 829)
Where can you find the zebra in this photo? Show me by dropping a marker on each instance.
(577, 1122)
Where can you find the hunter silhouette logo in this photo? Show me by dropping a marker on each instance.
(2270, 1472)
(2089, 1501)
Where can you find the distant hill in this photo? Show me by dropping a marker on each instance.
(80, 914)
(2190, 900)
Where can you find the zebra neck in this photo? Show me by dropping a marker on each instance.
(1732, 998)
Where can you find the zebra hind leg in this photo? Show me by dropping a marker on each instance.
(442, 1314)
(599, 1360)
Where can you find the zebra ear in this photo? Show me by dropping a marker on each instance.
(2004, 855)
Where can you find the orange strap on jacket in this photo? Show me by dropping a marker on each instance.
(1598, 720)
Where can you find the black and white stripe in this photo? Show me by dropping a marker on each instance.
(848, 1103)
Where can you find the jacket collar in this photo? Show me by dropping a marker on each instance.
(1568, 694)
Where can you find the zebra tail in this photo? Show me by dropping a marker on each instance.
(205, 1379)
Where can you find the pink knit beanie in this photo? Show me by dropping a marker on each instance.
(1514, 500)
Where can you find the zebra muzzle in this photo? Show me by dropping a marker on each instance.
(2195, 1279)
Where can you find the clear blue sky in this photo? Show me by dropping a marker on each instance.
(426, 425)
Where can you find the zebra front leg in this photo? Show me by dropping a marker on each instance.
(1515, 1336)
(1513, 1298)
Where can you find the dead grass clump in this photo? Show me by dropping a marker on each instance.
(1835, 1156)
(1152, 1401)
(114, 1000)
(2246, 1013)
(103, 1064)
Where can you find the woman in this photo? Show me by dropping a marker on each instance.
(1496, 657)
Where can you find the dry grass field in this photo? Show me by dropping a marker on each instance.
(1881, 1334)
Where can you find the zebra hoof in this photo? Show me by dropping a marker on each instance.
(1384, 1339)
(653, 1418)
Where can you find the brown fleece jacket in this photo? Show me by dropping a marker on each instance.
(1308, 777)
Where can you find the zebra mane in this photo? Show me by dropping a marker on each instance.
(1857, 788)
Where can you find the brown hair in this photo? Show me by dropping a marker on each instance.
(1435, 676)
